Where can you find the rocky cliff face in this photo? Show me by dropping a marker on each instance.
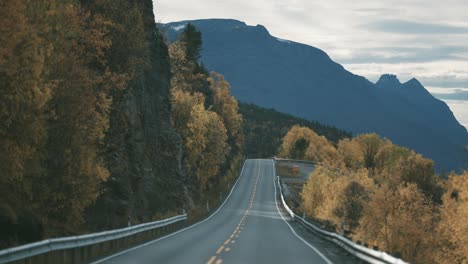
(144, 152)
(304, 81)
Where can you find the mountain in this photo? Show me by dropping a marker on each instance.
(303, 81)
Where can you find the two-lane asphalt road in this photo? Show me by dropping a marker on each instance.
(248, 228)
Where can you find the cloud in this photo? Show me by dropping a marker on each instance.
(410, 38)
(460, 95)
(460, 110)
(407, 54)
(415, 28)
(441, 90)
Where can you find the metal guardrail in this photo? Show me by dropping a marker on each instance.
(361, 252)
(275, 159)
(55, 244)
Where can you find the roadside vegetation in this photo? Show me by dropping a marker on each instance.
(103, 122)
(265, 128)
(386, 195)
(207, 118)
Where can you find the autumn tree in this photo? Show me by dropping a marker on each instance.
(420, 171)
(56, 96)
(351, 205)
(452, 230)
(337, 194)
(228, 108)
(299, 148)
(80, 107)
(387, 195)
(350, 153)
(25, 93)
(402, 220)
(203, 110)
(205, 143)
(303, 143)
(315, 190)
(370, 145)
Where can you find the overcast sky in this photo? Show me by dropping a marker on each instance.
(426, 39)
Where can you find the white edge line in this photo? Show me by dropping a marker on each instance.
(175, 233)
(290, 227)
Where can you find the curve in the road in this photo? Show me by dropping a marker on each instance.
(248, 227)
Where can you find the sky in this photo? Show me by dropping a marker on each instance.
(425, 39)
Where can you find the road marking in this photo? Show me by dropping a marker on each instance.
(240, 225)
(212, 259)
(175, 233)
(219, 249)
(290, 227)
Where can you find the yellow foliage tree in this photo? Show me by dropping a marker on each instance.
(205, 144)
(350, 153)
(452, 231)
(316, 190)
(336, 194)
(24, 96)
(207, 131)
(370, 145)
(25, 90)
(401, 221)
(184, 74)
(182, 104)
(80, 112)
(303, 143)
(227, 107)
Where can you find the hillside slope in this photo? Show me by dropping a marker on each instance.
(302, 80)
(264, 130)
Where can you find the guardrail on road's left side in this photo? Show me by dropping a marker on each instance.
(86, 248)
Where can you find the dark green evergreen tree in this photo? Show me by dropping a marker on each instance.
(193, 41)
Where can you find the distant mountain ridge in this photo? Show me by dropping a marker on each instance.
(302, 80)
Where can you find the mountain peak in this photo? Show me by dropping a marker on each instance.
(413, 86)
(302, 80)
(414, 83)
(388, 81)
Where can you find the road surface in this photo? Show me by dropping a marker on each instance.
(250, 227)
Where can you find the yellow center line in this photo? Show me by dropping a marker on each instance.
(238, 228)
(219, 249)
(212, 259)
